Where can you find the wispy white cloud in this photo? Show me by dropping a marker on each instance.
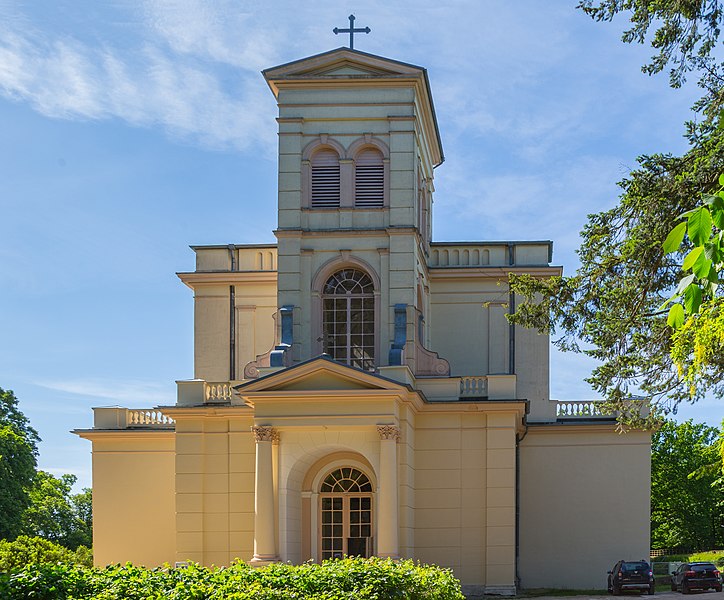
(146, 85)
(128, 392)
(221, 31)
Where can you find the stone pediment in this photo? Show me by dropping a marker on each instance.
(320, 374)
(348, 69)
(341, 63)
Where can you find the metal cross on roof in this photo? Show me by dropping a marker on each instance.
(351, 30)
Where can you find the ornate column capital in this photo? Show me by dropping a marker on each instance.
(265, 433)
(389, 432)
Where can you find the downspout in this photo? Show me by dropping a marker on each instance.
(511, 310)
(518, 440)
(232, 317)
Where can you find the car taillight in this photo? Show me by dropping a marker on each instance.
(690, 573)
(716, 573)
(651, 573)
(620, 573)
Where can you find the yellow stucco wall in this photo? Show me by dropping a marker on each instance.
(464, 494)
(584, 491)
(133, 498)
(214, 488)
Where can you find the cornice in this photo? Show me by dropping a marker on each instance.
(564, 427)
(125, 434)
(227, 277)
(208, 411)
(492, 272)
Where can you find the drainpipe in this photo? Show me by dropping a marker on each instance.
(232, 317)
(518, 440)
(511, 310)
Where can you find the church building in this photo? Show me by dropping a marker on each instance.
(357, 388)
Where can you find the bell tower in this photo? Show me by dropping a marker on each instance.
(358, 142)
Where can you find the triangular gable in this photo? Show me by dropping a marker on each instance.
(320, 374)
(349, 69)
(340, 63)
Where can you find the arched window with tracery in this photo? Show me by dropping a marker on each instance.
(369, 179)
(325, 179)
(346, 514)
(348, 318)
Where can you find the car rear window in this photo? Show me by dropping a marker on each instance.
(634, 566)
(704, 567)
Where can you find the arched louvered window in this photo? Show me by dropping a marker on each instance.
(325, 179)
(369, 179)
(348, 318)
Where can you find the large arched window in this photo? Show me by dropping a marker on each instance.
(325, 179)
(369, 179)
(346, 514)
(348, 318)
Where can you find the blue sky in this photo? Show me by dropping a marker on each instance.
(132, 129)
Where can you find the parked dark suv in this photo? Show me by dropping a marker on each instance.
(696, 576)
(631, 575)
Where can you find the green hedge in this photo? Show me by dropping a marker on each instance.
(34, 550)
(345, 579)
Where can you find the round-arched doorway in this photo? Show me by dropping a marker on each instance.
(345, 514)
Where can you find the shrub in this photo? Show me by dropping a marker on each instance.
(346, 579)
(26, 550)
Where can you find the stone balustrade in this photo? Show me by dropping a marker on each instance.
(116, 417)
(580, 409)
(473, 387)
(197, 392)
(488, 254)
(243, 257)
(147, 418)
(218, 391)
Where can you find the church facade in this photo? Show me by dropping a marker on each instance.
(357, 387)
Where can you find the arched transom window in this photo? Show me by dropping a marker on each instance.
(349, 318)
(346, 479)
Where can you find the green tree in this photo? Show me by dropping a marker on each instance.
(686, 499)
(683, 34)
(696, 312)
(611, 308)
(18, 458)
(58, 515)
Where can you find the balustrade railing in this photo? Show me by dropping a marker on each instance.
(218, 391)
(148, 418)
(580, 409)
(473, 387)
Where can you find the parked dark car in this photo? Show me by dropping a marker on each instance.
(696, 576)
(631, 575)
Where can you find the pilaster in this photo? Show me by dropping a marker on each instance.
(387, 512)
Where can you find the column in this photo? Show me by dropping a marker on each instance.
(265, 550)
(387, 505)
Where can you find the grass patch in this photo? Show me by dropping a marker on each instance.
(714, 556)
